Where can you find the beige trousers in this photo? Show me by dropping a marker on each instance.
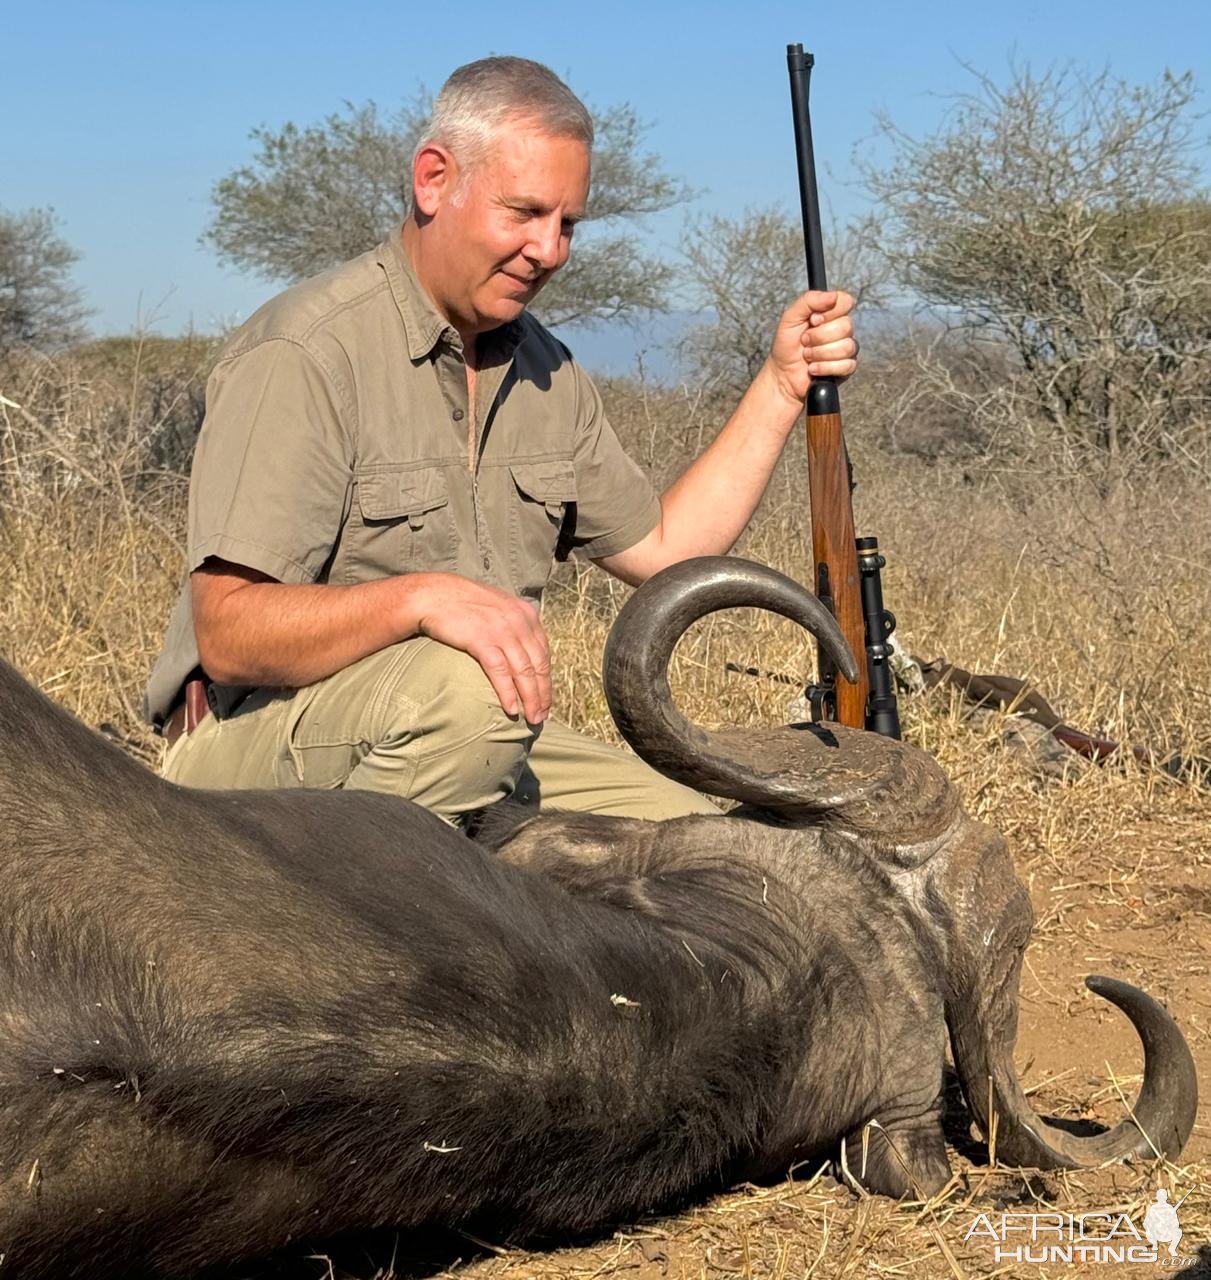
(420, 720)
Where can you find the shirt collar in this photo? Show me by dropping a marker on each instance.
(424, 325)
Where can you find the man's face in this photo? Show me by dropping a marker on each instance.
(509, 229)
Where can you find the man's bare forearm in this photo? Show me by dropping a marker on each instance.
(252, 630)
(706, 509)
(276, 633)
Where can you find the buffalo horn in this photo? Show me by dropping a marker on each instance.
(822, 773)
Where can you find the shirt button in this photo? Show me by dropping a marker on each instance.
(487, 562)
(458, 415)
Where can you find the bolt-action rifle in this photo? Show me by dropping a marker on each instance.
(846, 571)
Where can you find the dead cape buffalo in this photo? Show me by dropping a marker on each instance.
(234, 1019)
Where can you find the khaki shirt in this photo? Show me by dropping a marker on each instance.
(339, 446)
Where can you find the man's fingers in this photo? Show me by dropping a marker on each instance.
(839, 330)
(503, 633)
(500, 675)
(535, 661)
(824, 305)
(806, 306)
(832, 369)
(518, 666)
(832, 352)
(818, 301)
(534, 690)
(846, 349)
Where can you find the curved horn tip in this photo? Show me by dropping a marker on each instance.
(1170, 1087)
(1128, 997)
(1112, 989)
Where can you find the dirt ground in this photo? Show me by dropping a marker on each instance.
(1136, 906)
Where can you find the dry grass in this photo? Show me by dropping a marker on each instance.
(1096, 591)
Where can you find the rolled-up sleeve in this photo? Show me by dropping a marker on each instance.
(274, 463)
(616, 504)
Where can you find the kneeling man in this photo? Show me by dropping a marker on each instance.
(393, 455)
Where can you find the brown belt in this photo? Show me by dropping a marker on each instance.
(193, 708)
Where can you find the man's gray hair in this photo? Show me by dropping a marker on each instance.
(480, 96)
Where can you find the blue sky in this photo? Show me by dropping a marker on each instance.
(122, 115)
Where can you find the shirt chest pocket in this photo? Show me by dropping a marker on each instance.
(544, 497)
(406, 522)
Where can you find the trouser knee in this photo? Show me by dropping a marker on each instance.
(417, 719)
(440, 736)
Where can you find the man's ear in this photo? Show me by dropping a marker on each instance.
(434, 177)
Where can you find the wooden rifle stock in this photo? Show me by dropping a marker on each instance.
(834, 553)
(835, 558)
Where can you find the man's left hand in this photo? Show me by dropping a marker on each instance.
(815, 339)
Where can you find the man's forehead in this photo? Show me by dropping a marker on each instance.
(537, 169)
(522, 142)
(521, 124)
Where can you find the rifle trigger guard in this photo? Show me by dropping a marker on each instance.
(821, 701)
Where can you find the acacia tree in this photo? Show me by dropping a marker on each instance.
(312, 197)
(39, 307)
(744, 271)
(1059, 217)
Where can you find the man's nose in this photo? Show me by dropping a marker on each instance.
(546, 248)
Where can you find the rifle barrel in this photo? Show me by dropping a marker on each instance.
(834, 553)
(800, 66)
